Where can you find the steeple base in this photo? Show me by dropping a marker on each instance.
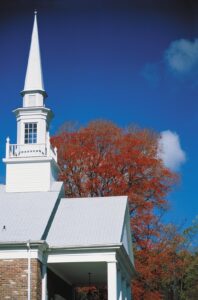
(35, 175)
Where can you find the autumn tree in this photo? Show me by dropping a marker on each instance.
(104, 160)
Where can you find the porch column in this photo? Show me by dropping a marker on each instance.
(112, 280)
(44, 281)
(119, 285)
(129, 292)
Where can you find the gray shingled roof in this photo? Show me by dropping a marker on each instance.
(88, 221)
(77, 221)
(24, 216)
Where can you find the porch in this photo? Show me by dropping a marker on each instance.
(110, 269)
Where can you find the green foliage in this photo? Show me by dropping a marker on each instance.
(184, 286)
(191, 235)
(191, 278)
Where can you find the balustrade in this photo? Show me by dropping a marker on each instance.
(30, 150)
(27, 150)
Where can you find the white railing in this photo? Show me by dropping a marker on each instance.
(27, 150)
(30, 150)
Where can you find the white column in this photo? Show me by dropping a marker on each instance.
(129, 292)
(44, 281)
(112, 280)
(119, 283)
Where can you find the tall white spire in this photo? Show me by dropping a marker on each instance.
(31, 163)
(34, 77)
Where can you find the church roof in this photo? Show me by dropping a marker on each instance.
(24, 216)
(88, 221)
(61, 222)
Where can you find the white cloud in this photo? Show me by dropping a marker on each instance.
(182, 56)
(170, 150)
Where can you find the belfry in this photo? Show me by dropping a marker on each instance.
(31, 163)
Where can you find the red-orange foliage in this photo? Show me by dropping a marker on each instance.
(104, 160)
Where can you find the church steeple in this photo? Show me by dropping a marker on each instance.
(34, 92)
(31, 163)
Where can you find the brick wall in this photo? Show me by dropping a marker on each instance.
(14, 279)
(36, 280)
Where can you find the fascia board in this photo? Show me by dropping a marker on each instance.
(22, 244)
(85, 248)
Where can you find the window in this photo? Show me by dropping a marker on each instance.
(30, 133)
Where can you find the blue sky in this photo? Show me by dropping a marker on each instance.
(129, 63)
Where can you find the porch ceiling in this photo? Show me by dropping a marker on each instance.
(77, 273)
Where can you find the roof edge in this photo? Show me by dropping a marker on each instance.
(87, 247)
(18, 244)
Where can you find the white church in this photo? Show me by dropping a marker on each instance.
(49, 245)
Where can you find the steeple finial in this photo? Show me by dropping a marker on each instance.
(34, 77)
